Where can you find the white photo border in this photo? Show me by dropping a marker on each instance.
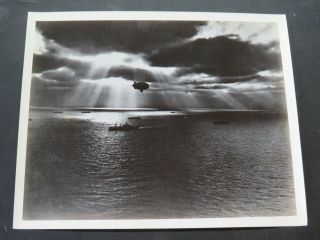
(300, 219)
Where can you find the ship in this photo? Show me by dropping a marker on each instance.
(130, 118)
(222, 122)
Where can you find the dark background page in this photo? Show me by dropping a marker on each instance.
(304, 24)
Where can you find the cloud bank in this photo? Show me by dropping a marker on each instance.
(187, 64)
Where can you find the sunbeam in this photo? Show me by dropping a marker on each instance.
(105, 92)
(225, 96)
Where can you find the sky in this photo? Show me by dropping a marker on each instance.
(234, 65)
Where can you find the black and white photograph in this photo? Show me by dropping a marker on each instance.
(158, 120)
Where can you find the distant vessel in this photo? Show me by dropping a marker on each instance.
(221, 122)
(134, 117)
(85, 112)
(57, 112)
(125, 127)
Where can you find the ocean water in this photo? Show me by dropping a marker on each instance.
(177, 165)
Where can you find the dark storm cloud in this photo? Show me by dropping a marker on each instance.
(210, 79)
(127, 36)
(62, 74)
(211, 87)
(46, 62)
(60, 77)
(41, 83)
(248, 78)
(222, 56)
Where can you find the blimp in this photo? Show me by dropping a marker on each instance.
(140, 85)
